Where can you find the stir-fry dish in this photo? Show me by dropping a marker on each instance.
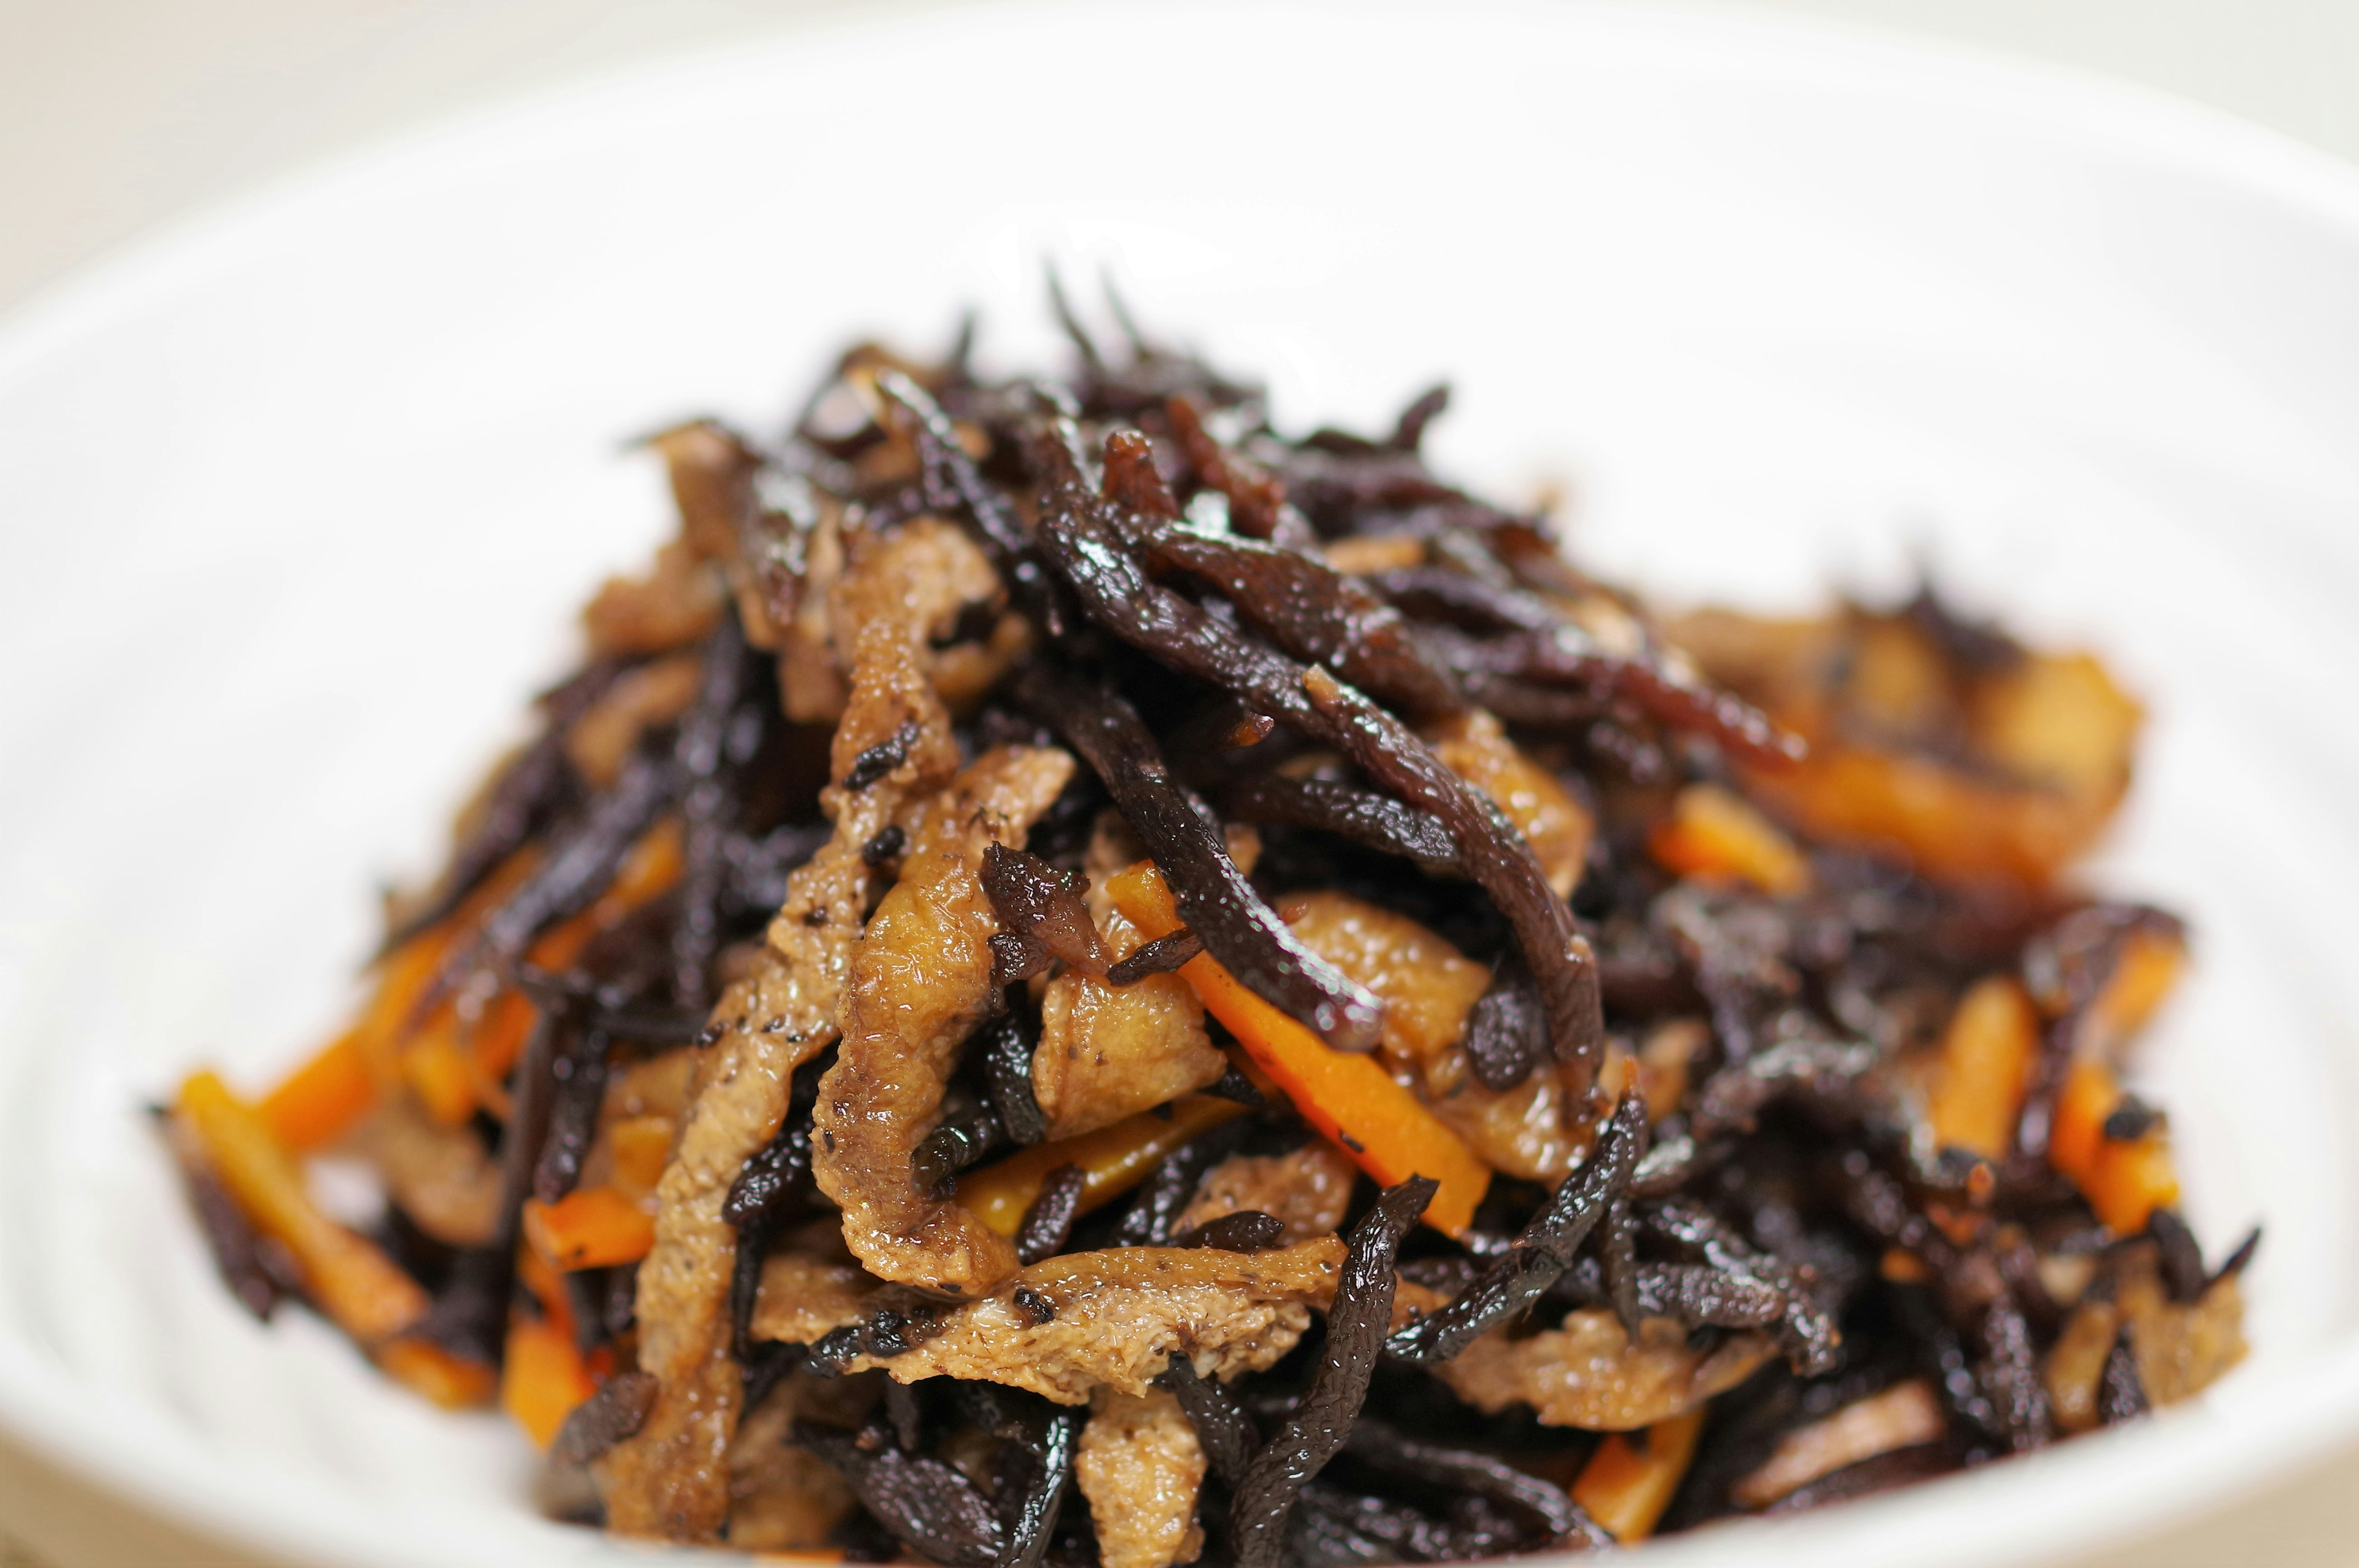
(1072, 979)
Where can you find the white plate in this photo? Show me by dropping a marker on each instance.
(295, 504)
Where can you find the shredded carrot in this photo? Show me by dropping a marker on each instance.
(439, 1073)
(538, 1275)
(542, 1377)
(2133, 1179)
(640, 1145)
(320, 1101)
(1113, 1161)
(500, 1032)
(1986, 1056)
(1349, 1099)
(455, 1382)
(361, 1289)
(590, 1228)
(1626, 1489)
(2124, 1180)
(1716, 835)
(2078, 1131)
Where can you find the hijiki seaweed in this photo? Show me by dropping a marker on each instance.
(1076, 979)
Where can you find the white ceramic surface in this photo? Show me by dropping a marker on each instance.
(294, 504)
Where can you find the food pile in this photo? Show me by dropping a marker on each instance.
(1072, 979)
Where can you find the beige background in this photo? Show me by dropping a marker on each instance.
(118, 117)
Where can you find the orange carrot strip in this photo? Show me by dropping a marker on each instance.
(2078, 1132)
(455, 1382)
(2133, 1179)
(1716, 835)
(320, 1101)
(1113, 1161)
(2124, 1179)
(500, 1032)
(361, 1289)
(1986, 1056)
(590, 1228)
(537, 1274)
(542, 1377)
(1626, 1489)
(640, 1146)
(1349, 1099)
(439, 1073)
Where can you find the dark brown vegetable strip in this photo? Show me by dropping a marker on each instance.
(1378, 821)
(1617, 1259)
(926, 1506)
(1160, 956)
(578, 1077)
(1807, 1334)
(2240, 1260)
(617, 1409)
(1506, 1032)
(2010, 1376)
(1048, 1222)
(2121, 1392)
(1395, 1453)
(1223, 1428)
(1541, 1253)
(707, 805)
(581, 862)
(1052, 1477)
(1309, 609)
(2179, 1258)
(1320, 1425)
(953, 1146)
(772, 1188)
(1007, 1045)
(1215, 901)
(1037, 902)
(1257, 503)
(1563, 655)
(1696, 1294)
(1242, 1231)
(1091, 555)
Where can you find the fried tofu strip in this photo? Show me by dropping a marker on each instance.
(1309, 1190)
(1140, 1465)
(1108, 1051)
(1065, 1328)
(901, 590)
(1588, 1373)
(920, 985)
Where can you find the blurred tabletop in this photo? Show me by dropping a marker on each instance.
(118, 117)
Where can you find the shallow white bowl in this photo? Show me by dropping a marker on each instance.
(293, 506)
